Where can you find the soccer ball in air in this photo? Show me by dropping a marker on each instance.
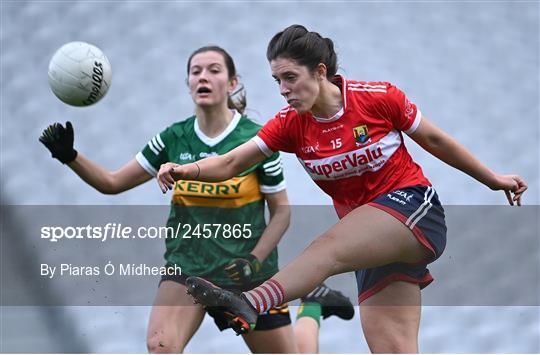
(79, 74)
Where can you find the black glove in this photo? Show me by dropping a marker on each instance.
(59, 141)
(242, 270)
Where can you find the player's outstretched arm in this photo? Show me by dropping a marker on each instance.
(59, 140)
(443, 146)
(127, 177)
(212, 169)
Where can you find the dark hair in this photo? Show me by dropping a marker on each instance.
(305, 47)
(239, 103)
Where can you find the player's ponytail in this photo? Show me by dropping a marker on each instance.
(237, 99)
(331, 59)
(305, 47)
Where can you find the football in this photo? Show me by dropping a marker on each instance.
(79, 74)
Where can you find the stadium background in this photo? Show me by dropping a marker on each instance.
(472, 67)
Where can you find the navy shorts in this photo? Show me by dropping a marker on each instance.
(418, 207)
(276, 317)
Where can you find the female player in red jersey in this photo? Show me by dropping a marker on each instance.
(216, 126)
(349, 137)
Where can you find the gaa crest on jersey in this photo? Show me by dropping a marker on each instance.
(361, 135)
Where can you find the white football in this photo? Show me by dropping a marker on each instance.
(79, 74)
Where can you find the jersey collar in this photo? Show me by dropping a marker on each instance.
(215, 140)
(336, 117)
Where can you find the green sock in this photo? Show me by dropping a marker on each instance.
(310, 309)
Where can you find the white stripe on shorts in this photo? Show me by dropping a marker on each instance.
(421, 216)
(422, 210)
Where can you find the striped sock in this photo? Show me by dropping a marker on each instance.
(265, 296)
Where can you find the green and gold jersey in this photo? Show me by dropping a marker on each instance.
(214, 223)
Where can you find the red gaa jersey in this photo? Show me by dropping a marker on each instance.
(358, 154)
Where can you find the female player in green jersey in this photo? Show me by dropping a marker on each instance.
(217, 127)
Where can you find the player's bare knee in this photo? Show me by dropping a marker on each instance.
(390, 342)
(157, 344)
(393, 346)
(318, 244)
(331, 262)
(389, 339)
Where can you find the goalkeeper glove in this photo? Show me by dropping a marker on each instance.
(242, 270)
(59, 141)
